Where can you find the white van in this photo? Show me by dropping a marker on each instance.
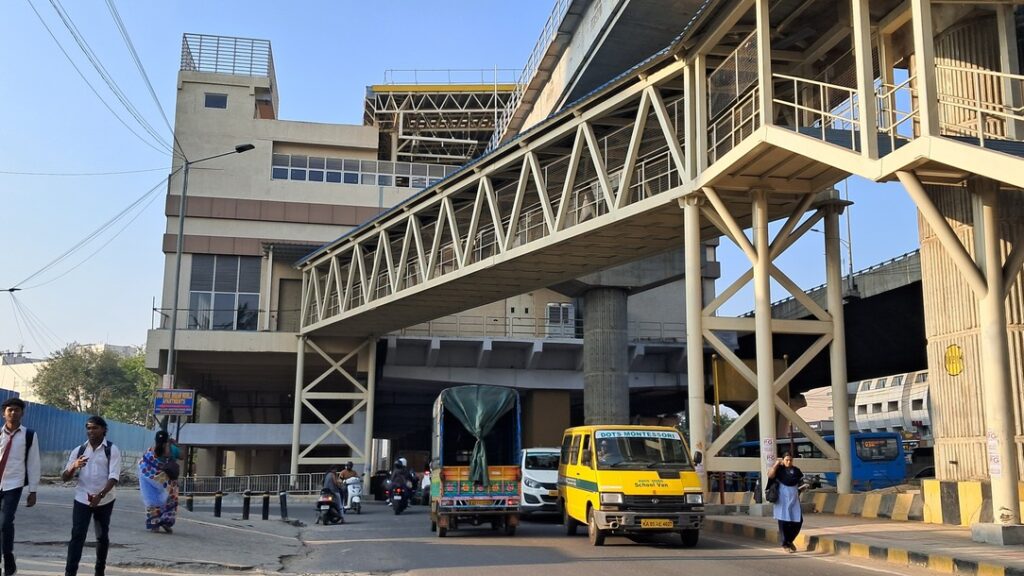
(539, 472)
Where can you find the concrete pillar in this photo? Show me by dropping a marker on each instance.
(837, 351)
(605, 357)
(371, 388)
(300, 366)
(1001, 447)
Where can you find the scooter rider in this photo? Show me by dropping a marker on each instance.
(332, 483)
(403, 476)
(346, 473)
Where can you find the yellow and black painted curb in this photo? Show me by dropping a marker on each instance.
(894, 506)
(959, 503)
(838, 546)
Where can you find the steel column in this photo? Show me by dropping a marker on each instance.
(865, 79)
(995, 374)
(763, 334)
(924, 66)
(694, 329)
(837, 351)
(371, 386)
(300, 367)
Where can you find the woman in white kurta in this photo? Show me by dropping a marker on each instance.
(787, 508)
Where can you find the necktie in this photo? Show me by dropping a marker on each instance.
(7, 451)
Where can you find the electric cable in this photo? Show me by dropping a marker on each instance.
(14, 173)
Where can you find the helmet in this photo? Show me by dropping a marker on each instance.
(402, 463)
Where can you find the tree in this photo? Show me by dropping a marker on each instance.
(85, 380)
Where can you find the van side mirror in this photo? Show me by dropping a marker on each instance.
(588, 458)
(698, 458)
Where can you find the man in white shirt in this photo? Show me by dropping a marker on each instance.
(98, 466)
(19, 467)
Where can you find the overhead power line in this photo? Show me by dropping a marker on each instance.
(11, 172)
(89, 84)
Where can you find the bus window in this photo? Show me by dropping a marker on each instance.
(574, 451)
(875, 449)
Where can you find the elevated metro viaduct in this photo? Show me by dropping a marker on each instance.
(750, 116)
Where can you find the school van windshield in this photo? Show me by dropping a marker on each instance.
(633, 449)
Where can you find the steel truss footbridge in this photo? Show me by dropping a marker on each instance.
(749, 117)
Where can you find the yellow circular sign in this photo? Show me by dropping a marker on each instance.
(954, 360)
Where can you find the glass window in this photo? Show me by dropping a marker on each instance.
(402, 168)
(223, 311)
(897, 380)
(368, 165)
(574, 451)
(280, 160)
(202, 272)
(370, 179)
(922, 377)
(352, 165)
(862, 409)
(299, 161)
(917, 404)
(640, 449)
(383, 180)
(351, 178)
(199, 309)
(402, 181)
(226, 270)
(419, 169)
(418, 182)
(315, 162)
(316, 176)
(566, 442)
(435, 170)
(335, 164)
(542, 461)
(894, 406)
(875, 449)
(216, 100)
(880, 384)
(248, 311)
(279, 174)
(334, 177)
(248, 274)
(385, 167)
(298, 174)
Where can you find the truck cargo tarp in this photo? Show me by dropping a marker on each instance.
(478, 408)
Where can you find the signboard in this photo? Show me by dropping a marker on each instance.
(954, 360)
(173, 402)
(995, 464)
(768, 451)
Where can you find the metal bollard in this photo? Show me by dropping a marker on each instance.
(266, 505)
(189, 503)
(284, 505)
(216, 503)
(246, 500)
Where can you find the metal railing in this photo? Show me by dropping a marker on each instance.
(547, 35)
(985, 109)
(274, 483)
(733, 77)
(811, 103)
(451, 76)
(227, 55)
(734, 125)
(531, 327)
(897, 110)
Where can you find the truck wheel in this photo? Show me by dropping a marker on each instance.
(595, 534)
(569, 522)
(690, 537)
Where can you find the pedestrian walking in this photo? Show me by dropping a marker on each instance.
(158, 483)
(97, 463)
(787, 508)
(19, 468)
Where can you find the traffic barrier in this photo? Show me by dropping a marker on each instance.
(960, 503)
(284, 505)
(266, 505)
(189, 502)
(217, 504)
(893, 505)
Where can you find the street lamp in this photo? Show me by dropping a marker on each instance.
(169, 374)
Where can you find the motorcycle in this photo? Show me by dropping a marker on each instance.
(354, 486)
(399, 498)
(326, 510)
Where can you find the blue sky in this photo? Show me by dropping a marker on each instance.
(325, 54)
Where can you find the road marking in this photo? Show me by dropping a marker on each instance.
(810, 556)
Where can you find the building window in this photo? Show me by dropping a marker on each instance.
(353, 171)
(880, 384)
(894, 406)
(876, 408)
(216, 100)
(897, 380)
(224, 292)
(917, 404)
(921, 377)
(862, 409)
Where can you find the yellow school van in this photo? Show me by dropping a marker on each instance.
(620, 480)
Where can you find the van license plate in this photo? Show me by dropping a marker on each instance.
(655, 523)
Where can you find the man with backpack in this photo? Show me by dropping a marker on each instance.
(19, 467)
(97, 463)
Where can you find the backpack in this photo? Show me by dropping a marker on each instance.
(106, 450)
(30, 435)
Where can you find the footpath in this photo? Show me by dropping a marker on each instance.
(937, 547)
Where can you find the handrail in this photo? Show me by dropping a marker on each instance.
(445, 75)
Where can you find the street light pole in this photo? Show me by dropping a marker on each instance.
(169, 374)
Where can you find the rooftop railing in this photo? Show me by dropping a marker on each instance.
(227, 55)
(452, 76)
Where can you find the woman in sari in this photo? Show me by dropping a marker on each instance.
(158, 483)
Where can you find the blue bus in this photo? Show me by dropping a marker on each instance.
(878, 457)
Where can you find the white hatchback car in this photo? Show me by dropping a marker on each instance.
(539, 468)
